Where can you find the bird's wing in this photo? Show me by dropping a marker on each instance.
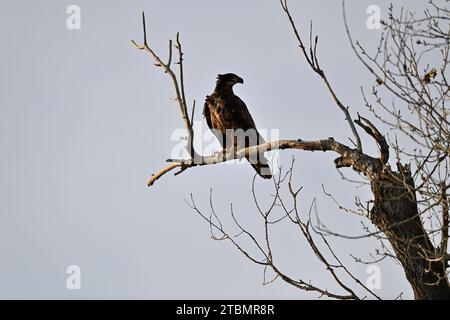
(211, 111)
(247, 122)
(207, 112)
(259, 162)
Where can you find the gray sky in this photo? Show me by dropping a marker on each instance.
(85, 119)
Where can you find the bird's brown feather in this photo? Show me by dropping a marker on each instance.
(224, 110)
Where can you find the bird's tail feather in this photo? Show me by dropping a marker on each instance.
(262, 168)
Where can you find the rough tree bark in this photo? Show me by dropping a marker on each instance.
(395, 211)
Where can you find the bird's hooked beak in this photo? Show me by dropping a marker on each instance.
(239, 80)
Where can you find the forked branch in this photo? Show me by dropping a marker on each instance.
(178, 85)
(313, 62)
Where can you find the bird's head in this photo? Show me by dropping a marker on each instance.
(228, 80)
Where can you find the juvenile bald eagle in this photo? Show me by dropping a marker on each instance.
(230, 121)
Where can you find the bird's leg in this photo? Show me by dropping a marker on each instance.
(235, 147)
(228, 152)
(225, 152)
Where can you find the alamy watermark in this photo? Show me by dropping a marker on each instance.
(73, 21)
(232, 141)
(374, 280)
(374, 20)
(73, 281)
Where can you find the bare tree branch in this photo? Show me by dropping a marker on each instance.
(313, 62)
(178, 85)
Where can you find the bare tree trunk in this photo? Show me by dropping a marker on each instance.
(395, 210)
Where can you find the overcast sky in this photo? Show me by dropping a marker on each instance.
(85, 119)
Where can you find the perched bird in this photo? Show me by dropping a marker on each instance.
(226, 113)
